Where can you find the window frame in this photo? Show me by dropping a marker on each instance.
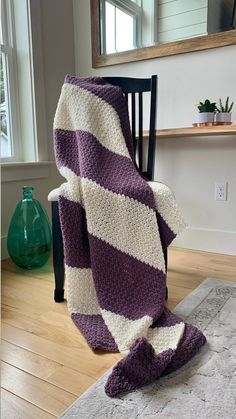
(28, 97)
(8, 48)
(130, 8)
(202, 43)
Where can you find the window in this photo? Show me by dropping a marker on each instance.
(23, 119)
(121, 23)
(6, 147)
(10, 144)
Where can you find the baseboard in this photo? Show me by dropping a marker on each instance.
(216, 241)
(4, 252)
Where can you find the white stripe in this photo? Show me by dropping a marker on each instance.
(164, 338)
(79, 109)
(125, 332)
(121, 221)
(72, 189)
(167, 206)
(81, 293)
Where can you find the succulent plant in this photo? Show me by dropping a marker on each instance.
(206, 106)
(226, 107)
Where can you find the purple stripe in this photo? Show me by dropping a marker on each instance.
(166, 234)
(192, 340)
(95, 331)
(124, 284)
(115, 273)
(85, 156)
(112, 95)
(167, 319)
(75, 234)
(140, 367)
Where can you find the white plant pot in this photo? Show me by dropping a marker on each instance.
(223, 117)
(206, 117)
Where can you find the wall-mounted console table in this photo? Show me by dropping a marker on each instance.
(195, 132)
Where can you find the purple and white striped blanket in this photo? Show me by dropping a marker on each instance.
(115, 225)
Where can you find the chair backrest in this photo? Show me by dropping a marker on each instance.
(132, 86)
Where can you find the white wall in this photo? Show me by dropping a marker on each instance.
(58, 53)
(56, 60)
(190, 166)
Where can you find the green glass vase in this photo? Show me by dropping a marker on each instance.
(29, 235)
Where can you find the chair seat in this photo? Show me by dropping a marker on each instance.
(161, 188)
(53, 195)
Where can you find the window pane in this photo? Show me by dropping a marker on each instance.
(124, 31)
(119, 31)
(6, 149)
(110, 28)
(138, 2)
(1, 26)
(1, 35)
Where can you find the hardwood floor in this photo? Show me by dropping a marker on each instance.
(46, 363)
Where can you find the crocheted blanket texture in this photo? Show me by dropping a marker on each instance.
(115, 226)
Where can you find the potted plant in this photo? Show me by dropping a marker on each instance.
(206, 111)
(223, 114)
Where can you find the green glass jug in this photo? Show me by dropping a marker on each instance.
(29, 235)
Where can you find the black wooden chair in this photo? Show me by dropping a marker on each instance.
(135, 88)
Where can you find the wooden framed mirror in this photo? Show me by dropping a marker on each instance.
(195, 42)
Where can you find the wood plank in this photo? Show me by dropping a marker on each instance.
(59, 320)
(13, 407)
(11, 302)
(28, 361)
(71, 380)
(14, 299)
(204, 264)
(179, 6)
(46, 280)
(41, 367)
(51, 318)
(32, 306)
(172, 302)
(46, 396)
(15, 295)
(184, 279)
(189, 18)
(182, 33)
(43, 272)
(40, 328)
(82, 360)
(177, 292)
(162, 50)
(194, 132)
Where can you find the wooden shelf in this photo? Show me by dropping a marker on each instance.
(195, 132)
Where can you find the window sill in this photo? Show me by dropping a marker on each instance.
(13, 171)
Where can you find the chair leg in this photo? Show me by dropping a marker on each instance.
(166, 263)
(58, 254)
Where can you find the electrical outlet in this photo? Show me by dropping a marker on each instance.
(221, 191)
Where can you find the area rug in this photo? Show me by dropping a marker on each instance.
(203, 388)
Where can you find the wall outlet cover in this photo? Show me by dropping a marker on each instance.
(221, 191)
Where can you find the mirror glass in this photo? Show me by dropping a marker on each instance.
(131, 24)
